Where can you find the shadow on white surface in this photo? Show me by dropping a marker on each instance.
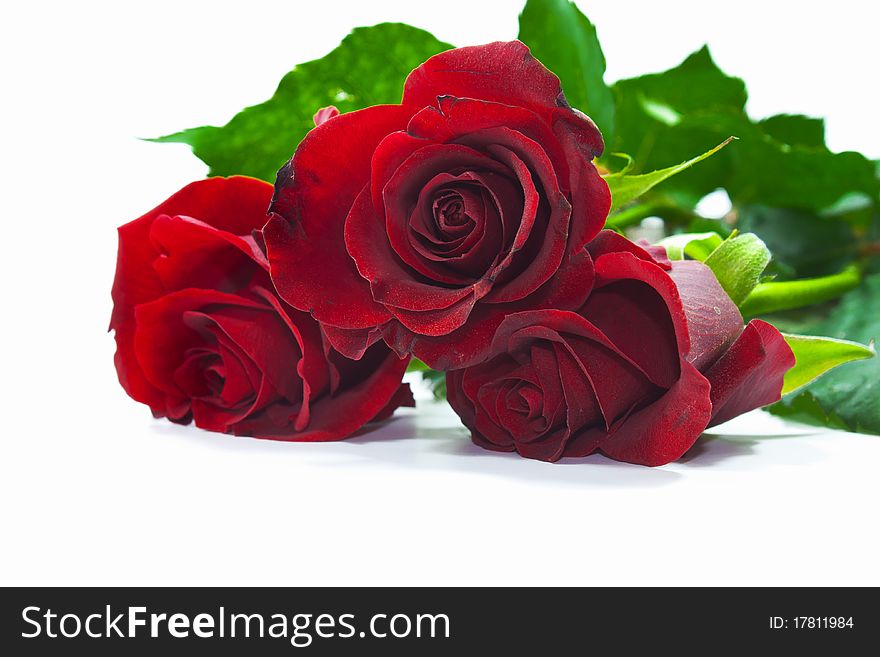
(409, 442)
(431, 439)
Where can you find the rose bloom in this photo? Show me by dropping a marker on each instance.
(426, 223)
(201, 334)
(657, 354)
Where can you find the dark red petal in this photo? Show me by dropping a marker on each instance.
(161, 340)
(571, 145)
(477, 382)
(614, 380)
(590, 200)
(403, 398)
(459, 402)
(469, 345)
(466, 120)
(626, 266)
(663, 431)
(526, 159)
(501, 72)
(543, 361)
(548, 448)
(211, 417)
(580, 402)
(312, 368)
(657, 252)
(577, 131)
(193, 254)
(585, 442)
(234, 204)
(750, 374)
(714, 321)
(391, 152)
(618, 384)
(465, 408)
(636, 321)
(264, 338)
(314, 193)
(460, 254)
(423, 172)
(239, 378)
(490, 422)
(244, 389)
(544, 438)
(608, 241)
(360, 399)
(136, 282)
(439, 322)
(352, 343)
(391, 282)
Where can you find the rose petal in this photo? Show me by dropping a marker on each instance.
(634, 318)
(325, 114)
(390, 281)
(366, 392)
(551, 242)
(459, 261)
(264, 338)
(485, 430)
(626, 271)
(352, 343)
(235, 204)
(313, 194)
(501, 72)
(466, 120)
(665, 430)
(193, 254)
(713, 320)
(750, 374)
(471, 344)
(403, 398)
(613, 380)
(608, 241)
(161, 340)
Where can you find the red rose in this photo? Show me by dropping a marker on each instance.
(656, 354)
(425, 223)
(201, 334)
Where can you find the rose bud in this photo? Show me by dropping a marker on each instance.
(657, 354)
(425, 223)
(201, 335)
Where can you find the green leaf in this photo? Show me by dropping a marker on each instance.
(816, 355)
(795, 130)
(804, 407)
(565, 41)
(738, 264)
(367, 68)
(781, 161)
(436, 382)
(626, 188)
(628, 162)
(785, 295)
(848, 397)
(415, 365)
(660, 111)
(667, 117)
(769, 172)
(803, 244)
(694, 245)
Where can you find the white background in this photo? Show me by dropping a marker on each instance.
(93, 491)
